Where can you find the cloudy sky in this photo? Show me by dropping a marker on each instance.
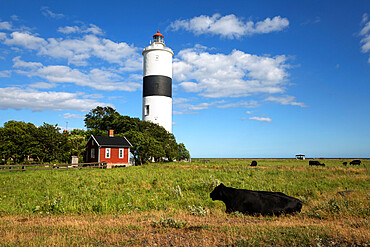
(250, 78)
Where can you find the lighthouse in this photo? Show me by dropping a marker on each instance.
(157, 83)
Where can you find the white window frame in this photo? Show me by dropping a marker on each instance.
(107, 153)
(121, 155)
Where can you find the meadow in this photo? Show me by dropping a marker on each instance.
(168, 204)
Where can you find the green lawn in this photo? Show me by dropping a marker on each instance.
(176, 186)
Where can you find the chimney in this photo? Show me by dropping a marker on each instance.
(111, 133)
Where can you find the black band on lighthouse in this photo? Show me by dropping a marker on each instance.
(157, 85)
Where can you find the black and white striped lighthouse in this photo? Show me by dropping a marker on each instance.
(157, 83)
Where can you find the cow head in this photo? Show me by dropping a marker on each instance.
(218, 192)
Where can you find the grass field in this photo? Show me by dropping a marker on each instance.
(168, 204)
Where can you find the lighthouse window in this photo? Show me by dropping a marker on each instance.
(146, 113)
(158, 39)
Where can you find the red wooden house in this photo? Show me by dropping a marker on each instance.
(113, 150)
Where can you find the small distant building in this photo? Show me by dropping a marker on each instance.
(300, 157)
(74, 160)
(113, 150)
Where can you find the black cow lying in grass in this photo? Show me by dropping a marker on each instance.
(255, 202)
(254, 163)
(315, 163)
(355, 162)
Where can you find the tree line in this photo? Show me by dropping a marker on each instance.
(150, 141)
(22, 142)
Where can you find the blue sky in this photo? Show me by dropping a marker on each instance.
(250, 78)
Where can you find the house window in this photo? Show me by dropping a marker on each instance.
(146, 112)
(93, 153)
(121, 153)
(92, 143)
(107, 153)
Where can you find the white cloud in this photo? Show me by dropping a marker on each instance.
(61, 74)
(285, 100)
(261, 119)
(79, 50)
(185, 105)
(246, 104)
(18, 63)
(237, 74)
(14, 17)
(48, 13)
(69, 29)
(271, 25)
(84, 29)
(3, 36)
(26, 40)
(42, 85)
(200, 106)
(5, 25)
(5, 73)
(40, 101)
(229, 26)
(72, 116)
(365, 34)
(100, 79)
(315, 20)
(366, 41)
(178, 100)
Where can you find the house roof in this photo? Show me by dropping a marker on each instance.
(108, 141)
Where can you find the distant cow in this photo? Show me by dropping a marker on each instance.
(254, 163)
(315, 163)
(344, 163)
(255, 202)
(355, 162)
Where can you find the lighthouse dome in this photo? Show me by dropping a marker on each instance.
(158, 37)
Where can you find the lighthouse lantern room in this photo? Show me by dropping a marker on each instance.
(157, 83)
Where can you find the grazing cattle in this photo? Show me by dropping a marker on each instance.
(344, 163)
(254, 163)
(255, 202)
(355, 162)
(315, 163)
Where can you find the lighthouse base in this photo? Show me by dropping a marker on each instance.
(158, 109)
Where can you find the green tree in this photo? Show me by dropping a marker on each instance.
(165, 139)
(101, 118)
(77, 142)
(51, 144)
(17, 141)
(182, 152)
(144, 147)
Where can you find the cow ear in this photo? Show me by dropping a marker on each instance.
(222, 185)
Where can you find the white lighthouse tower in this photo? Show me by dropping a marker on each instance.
(157, 83)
